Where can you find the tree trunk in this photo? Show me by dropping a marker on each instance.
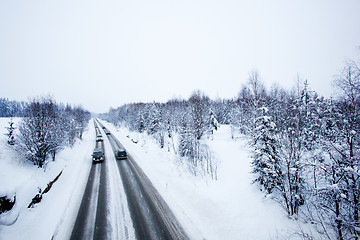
(338, 221)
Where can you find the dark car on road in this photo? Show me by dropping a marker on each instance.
(98, 155)
(121, 154)
(99, 138)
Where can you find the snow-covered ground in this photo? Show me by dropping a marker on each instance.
(229, 208)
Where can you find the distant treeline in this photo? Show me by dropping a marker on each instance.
(11, 108)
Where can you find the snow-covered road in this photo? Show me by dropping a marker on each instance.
(120, 202)
(151, 216)
(103, 212)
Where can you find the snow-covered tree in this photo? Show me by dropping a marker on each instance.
(40, 132)
(82, 118)
(187, 137)
(156, 124)
(140, 118)
(341, 192)
(257, 95)
(266, 161)
(214, 124)
(10, 134)
(200, 112)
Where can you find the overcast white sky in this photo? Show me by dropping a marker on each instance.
(104, 53)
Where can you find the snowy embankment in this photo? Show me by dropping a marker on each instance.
(57, 210)
(229, 208)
